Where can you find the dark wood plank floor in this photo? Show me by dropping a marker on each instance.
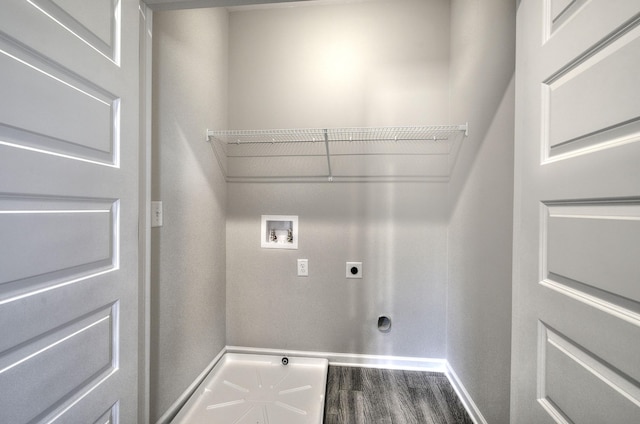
(377, 396)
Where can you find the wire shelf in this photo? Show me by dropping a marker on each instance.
(313, 135)
(387, 153)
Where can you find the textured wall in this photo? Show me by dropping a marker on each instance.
(362, 63)
(373, 63)
(188, 252)
(396, 230)
(481, 202)
(482, 65)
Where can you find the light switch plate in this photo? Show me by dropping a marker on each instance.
(156, 213)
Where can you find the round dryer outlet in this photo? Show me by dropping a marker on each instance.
(354, 269)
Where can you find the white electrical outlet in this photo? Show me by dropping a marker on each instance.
(354, 269)
(303, 267)
(156, 213)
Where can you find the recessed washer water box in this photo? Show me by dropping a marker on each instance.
(259, 389)
(279, 232)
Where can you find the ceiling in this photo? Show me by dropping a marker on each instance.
(192, 4)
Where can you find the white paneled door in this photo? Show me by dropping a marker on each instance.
(576, 328)
(68, 211)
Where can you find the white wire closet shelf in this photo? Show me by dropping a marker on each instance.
(409, 153)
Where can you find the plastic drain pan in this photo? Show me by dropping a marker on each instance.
(259, 389)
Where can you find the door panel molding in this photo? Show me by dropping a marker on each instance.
(99, 30)
(557, 13)
(37, 227)
(620, 299)
(570, 129)
(85, 129)
(111, 416)
(593, 244)
(617, 306)
(53, 353)
(560, 356)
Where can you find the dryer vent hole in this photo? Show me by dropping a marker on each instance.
(384, 324)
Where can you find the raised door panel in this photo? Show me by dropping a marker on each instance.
(570, 373)
(576, 328)
(68, 211)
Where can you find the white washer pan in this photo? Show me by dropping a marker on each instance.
(259, 389)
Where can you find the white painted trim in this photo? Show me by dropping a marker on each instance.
(184, 397)
(144, 214)
(465, 397)
(341, 359)
(355, 360)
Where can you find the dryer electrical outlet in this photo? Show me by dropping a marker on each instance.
(354, 269)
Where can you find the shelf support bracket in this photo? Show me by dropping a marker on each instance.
(326, 144)
(208, 135)
(465, 128)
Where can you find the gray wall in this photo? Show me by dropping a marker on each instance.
(188, 252)
(481, 201)
(409, 235)
(482, 65)
(397, 230)
(362, 63)
(374, 63)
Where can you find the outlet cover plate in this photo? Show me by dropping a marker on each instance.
(303, 267)
(156, 213)
(354, 269)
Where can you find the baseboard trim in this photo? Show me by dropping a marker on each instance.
(465, 398)
(340, 359)
(354, 360)
(184, 397)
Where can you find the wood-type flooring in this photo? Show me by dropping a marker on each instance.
(378, 396)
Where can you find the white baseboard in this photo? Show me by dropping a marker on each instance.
(341, 359)
(354, 360)
(184, 397)
(465, 398)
